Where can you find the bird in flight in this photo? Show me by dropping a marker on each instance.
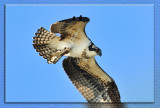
(80, 66)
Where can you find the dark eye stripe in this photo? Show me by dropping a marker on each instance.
(91, 47)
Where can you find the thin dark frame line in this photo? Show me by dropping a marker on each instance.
(154, 51)
(76, 103)
(4, 53)
(81, 4)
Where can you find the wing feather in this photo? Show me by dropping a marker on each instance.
(42, 42)
(93, 87)
(69, 27)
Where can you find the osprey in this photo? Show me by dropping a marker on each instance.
(80, 66)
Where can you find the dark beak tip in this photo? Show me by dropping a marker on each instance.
(100, 54)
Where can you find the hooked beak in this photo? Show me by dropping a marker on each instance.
(99, 52)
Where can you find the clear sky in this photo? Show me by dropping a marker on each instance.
(125, 34)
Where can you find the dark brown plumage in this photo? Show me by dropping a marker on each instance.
(92, 87)
(65, 27)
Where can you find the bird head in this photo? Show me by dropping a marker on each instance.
(95, 49)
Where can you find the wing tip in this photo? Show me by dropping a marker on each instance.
(80, 18)
(74, 18)
(84, 19)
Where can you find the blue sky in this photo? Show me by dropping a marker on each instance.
(125, 34)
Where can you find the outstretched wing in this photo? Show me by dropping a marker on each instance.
(94, 84)
(74, 27)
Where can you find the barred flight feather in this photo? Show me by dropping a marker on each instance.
(41, 44)
(92, 88)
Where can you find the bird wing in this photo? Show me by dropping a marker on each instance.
(73, 27)
(94, 84)
(42, 45)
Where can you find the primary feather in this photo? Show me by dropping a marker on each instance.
(94, 84)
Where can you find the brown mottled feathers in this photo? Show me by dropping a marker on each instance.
(68, 27)
(41, 44)
(94, 87)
